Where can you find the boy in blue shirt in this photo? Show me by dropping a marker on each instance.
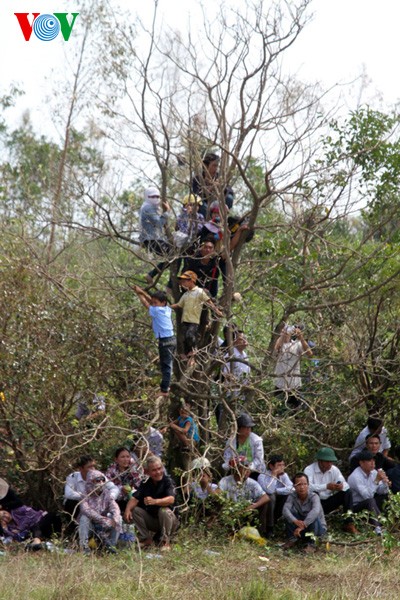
(163, 329)
(185, 428)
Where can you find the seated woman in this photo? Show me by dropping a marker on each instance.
(25, 522)
(99, 514)
(126, 474)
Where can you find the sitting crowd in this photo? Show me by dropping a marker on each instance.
(137, 489)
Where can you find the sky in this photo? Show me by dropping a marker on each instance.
(344, 39)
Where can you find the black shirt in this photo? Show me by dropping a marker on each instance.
(207, 273)
(158, 490)
(10, 501)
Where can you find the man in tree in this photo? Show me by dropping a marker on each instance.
(150, 508)
(334, 491)
(206, 185)
(205, 263)
(192, 303)
(153, 217)
(163, 329)
(289, 350)
(236, 370)
(185, 428)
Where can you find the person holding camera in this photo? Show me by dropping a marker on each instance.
(289, 350)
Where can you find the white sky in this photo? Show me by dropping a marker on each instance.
(344, 37)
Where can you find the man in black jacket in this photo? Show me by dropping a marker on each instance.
(150, 507)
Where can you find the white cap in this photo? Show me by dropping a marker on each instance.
(200, 463)
(151, 193)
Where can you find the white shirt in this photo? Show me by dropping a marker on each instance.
(238, 369)
(257, 452)
(319, 480)
(287, 370)
(75, 487)
(360, 441)
(247, 490)
(364, 486)
(281, 485)
(199, 492)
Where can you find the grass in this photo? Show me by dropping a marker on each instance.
(189, 573)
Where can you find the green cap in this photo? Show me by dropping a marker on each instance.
(326, 454)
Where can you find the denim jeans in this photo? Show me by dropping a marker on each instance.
(315, 527)
(166, 349)
(108, 536)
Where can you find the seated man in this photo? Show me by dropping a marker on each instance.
(150, 507)
(277, 484)
(372, 444)
(75, 485)
(370, 488)
(303, 513)
(245, 444)
(238, 486)
(327, 480)
(99, 514)
(373, 426)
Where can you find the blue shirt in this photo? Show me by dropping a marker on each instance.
(161, 321)
(193, 432)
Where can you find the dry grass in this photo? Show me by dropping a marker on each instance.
(189, 573)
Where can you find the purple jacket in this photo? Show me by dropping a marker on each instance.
(24, 519)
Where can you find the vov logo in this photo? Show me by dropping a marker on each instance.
(46, 27)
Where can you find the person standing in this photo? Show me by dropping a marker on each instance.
(191, 303)
(289, 349)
